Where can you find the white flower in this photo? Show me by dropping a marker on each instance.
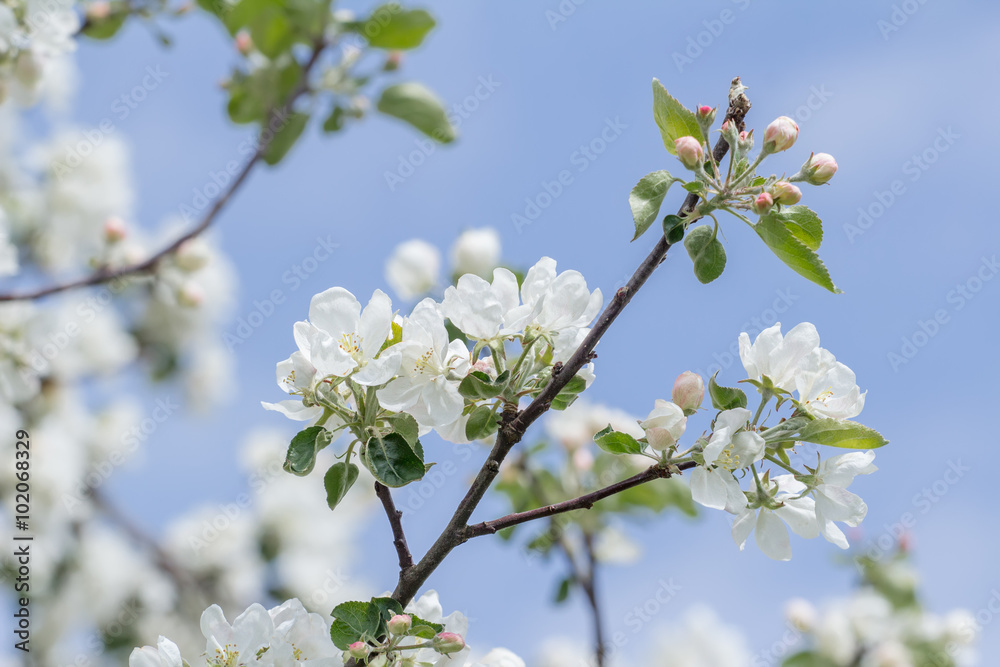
(165, 654)
(476, 251)
(480, 309)
(769, 531)
(428, 607)
(430, 371)
(554, 303)
(237, 643)
(299, 638)
(833, 501)
(728, 449)
(701, 640)
(828, 388)
(664, 425)
(778, 357)
(413, 269)
(499, 657)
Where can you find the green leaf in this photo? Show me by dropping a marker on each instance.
(647, 197)
(338, 481)
(381, 610)
(789, 249)
(808, 659)
(107, 27)
(285, 138)
(477, 385)
(418, 106)
(424, 629)
(841, 433)
(695, 187)
(301, 456)
(482, 423)
(335, 121)
(562, 592)
(615, 442)
(803, 224)
(673, 119)
(393, 461)
(405, 425)
(568, 394)
(725, 398)
(673, 228)
(392, 27)
(351, 623)
(706, 252)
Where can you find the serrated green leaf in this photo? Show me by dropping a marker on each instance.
(285, 138)
(616, 442)
(706, 252)
(477, 385)
(789, 249)
(351, 623)
(482, 423)
(423, 628)
(803, 223)
(380, 610)
(393, 461)
(673, 118)
(338, 481)
(647, 197)
(405, 425)
(725, 398)
(841, 433)
(418, 106)
(301, 456)
(392, 27)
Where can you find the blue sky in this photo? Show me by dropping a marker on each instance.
(907, 113)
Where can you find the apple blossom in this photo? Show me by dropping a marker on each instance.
(828, 388)
(777, 357)
(480, 309)
(164, 654)
(780, 135)
(688, 392)
(400, 624)
(818, 169)
(833, 501)
(413, 269)
(689, 152)
(664, 425)
(553, 303)
(782, 501)
(784, 192)
(763, 203)
(448, 642)
(476, 251)
(730, 448)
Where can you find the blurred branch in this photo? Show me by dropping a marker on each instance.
(105, 275)
(396, 522)
(514, 423)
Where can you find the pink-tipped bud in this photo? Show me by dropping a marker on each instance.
(780, 135)
(114, 229)
(447, 642)
(190, 295)
(819, 169)
(689, 391)
(244, 43)
(393, 61)
(746, 141)
(785, 193)
(705, 116)
(358, 650)
(400, 624)
(763, 203)
(689, 152)
(192, 255)
(98, 11)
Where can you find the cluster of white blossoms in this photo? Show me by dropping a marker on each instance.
(741, 449)
(34, 36)
(414, 268)
(362, 363)
(288, 636)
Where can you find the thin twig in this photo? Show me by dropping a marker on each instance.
(514, 423)
(396, 522)
(106, 275)
(589, 584)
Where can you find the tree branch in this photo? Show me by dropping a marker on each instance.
(586, 501)
(106, 275)
(396, 522)
(589, 584)
(514, 423)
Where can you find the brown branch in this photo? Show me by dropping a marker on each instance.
(586, 501)
(106, 275)
(396, 522)
(588, 582)
(514, 423)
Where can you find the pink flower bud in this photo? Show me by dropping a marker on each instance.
(393, 61)
(746, 141)
(190, 295)
(819, 169)
(763, 203)
(192, 255)
(358, 650)
(447, 642)
(689, 152)
(400, 624)
(689, 391)
(244, 44)
(780, 135)
(785, 193)
(114, 229)
(705, 116)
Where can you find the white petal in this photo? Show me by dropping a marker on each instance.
(400, 394)
(772, 536)
(743, 526)
(708, 488)
(375, 325)
(379, 371)
(336, 311)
